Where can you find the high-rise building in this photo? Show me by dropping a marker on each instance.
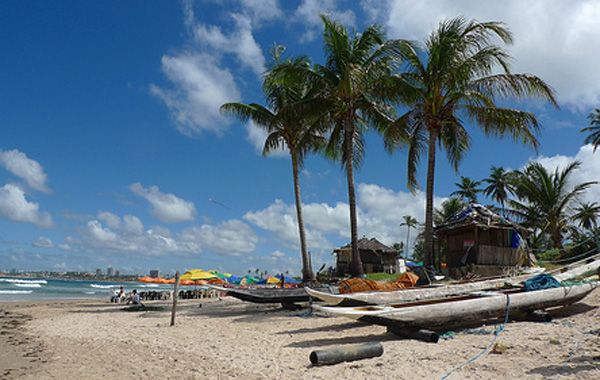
(154, 273)
(98, 272)
(110, 271)
(117, 273)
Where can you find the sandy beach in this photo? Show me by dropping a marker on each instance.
(226, 339)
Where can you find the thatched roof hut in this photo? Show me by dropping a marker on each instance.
(476, 235)
(375, 256)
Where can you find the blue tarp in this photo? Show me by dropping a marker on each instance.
(541, 281)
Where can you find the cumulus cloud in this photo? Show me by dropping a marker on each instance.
(127, 234)
(550, 36)
(589, 170)
(240, 42)
(42, 242)
(200, 87)
(25, 168)
(257, 137)
(15, 206)
(309, 11)
(260, 10)
(166, 207)
(380, 211)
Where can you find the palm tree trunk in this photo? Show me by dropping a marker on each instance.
(428, 243)
(307, 273)
(407, 237)
(356, 267)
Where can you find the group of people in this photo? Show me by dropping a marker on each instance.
(120, 296)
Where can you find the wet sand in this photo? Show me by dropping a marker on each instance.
(231, 339)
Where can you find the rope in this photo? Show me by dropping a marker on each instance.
(499, 329)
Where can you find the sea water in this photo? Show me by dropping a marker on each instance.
(26, 289)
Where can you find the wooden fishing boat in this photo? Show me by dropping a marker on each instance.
(461, 310)
(413, 294)
(270, 295)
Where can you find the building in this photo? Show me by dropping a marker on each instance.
(375, 257)
(481, 241)
(154, 273)
(117, 273)
(98, 272)
(110, 271)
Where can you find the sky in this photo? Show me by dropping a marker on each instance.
(113, 151)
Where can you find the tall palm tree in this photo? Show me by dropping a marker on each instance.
(587, 215)
(356, 92)
(288, 126)
(545, 198)
(409, 222)
(461, 75)
(499, 186)
(467, 189)
(594, 129)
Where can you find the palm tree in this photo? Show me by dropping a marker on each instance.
(447, 209)
(288, 126)
(461, 75)
(409, 222)
(356, 93)
(587, 215)
(467, 189)
(499, 186)
(594, 129)
(546, 197)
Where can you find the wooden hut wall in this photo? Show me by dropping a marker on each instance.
(456, 247)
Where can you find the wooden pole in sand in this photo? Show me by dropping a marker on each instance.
(175, 296)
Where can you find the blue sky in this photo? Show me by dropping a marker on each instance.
(112, 150)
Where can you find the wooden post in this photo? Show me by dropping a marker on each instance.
(414, 333)
(346, 353)
(175, 296)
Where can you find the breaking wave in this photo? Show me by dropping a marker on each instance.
(16, 291)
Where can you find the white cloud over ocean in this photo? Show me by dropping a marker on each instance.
(166, 207)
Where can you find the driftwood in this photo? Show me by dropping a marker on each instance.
(415, 333)
(346, 353)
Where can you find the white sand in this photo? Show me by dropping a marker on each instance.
(233, 340)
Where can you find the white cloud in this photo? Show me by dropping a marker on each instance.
(200, 87)
(166, 207)
(277, 254)
(240, 42)
(589, 170)
(257, 137)
(128, 235)
(14, 206)
(25, 168)
(42, 242)
(379, 210)
(260, 10)
(308, 13)
(555, 40)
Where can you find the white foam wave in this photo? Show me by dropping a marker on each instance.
(28, 285)
(147, 286)
(19, 281)
(16, 291)
(104, 286)
(90, 292)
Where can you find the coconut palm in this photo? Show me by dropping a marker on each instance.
(545, 198)
(594, 129)
(499, 186)
(288, 127)
(447, 209)
(460, 75)
(587, 215)
(409, 222)
(356, 92)
(467, 189)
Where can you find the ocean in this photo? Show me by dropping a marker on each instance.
(29, 289)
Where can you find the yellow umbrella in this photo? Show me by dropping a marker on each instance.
(197, 274)
(273, 280)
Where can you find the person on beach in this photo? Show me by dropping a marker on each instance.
(135, 298)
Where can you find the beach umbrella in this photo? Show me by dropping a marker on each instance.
(273, 280)
(233, 280)
(220, 274)
(197, 274)
(291, 280)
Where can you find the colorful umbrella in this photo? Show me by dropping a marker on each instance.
(197, 274)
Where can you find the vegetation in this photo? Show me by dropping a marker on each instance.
(594, 129)
(498, 186)
(409, 222)
(288, 127)
(453, 79)
(467, 189)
